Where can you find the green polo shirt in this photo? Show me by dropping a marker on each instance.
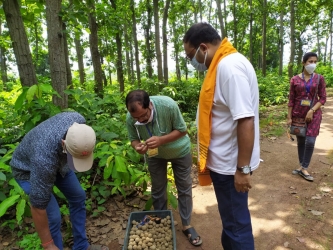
(167, 117)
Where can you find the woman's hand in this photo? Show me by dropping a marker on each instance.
(289, 120)
(309, 116)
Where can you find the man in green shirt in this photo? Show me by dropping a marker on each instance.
(157, 130)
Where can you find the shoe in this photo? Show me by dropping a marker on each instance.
(296, 171)
(194, 236)
(306, 176)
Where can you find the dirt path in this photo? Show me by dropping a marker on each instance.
(281, 204)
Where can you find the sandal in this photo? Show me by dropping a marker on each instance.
(305, 176)
(194, 236)
(97, 247)
(296, 171)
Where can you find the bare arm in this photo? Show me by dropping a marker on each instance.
(39, 217)
(245, 138)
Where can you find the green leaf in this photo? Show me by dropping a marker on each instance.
(120, 164)
(31, 92)
(20, 208)
(3, 151)
(36, 118)
(108, 171)
(108, 136)
(58, 193)
(47, 88)
(17, 188)
(20, 99)
(173, 200)
(2, 176)
(149, 204)
(7, 203)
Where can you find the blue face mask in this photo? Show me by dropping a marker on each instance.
(199, 66)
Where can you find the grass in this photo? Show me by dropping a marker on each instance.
(330, 156)
(329, 92)
(273, 120)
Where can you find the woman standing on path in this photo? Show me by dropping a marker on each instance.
(302, 93)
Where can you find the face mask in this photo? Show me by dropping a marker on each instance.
(310, 68)
(199, 66)
(149, 120)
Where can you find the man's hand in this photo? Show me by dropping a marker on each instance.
(289, 121)
(242, 182)
(153, 142)
(141, 148)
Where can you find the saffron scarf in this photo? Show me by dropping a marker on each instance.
(206, 102)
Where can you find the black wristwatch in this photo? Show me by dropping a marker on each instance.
(245, 169)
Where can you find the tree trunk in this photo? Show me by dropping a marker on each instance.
(251, 33)
(235, 23)
(264, 25)
(79, 54)
(66, 50)
(132, 63)
(157, 41)
(20, 43)
(119, 63)
(292, 39)
(36, 46)
(331, 34)
(176, 47)
(165, 42)
(281, 43)
(147, 40)
(220, 16)
(136, 44)
(225, 17)
(56, 47)
(318, 38)
(95, 55)
(128, 59)
(3, 65)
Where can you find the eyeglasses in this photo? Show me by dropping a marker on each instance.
(142, 116)
(187, 57)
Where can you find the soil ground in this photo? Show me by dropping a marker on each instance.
(287, 211)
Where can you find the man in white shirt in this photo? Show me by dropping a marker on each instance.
(229, 101)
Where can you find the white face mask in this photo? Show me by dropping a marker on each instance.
(199, 66)
(149, 120)
(310, 68)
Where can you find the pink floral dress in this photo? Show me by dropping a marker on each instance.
(298, 92)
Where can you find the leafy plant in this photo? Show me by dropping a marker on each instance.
(30, 242)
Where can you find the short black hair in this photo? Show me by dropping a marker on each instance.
(308, 55)
(137, 96)
(201, 33)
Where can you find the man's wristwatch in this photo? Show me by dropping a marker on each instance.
(245, 169)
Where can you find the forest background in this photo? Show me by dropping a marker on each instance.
(58, 55)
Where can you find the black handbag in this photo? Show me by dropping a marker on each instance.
(299, 126)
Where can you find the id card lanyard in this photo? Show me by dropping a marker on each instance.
(307, 86)
(151, 152)
(306, 102)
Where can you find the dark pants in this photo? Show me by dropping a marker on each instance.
(234, 213)
(70, 186)
(182, 173)
(305, 147)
